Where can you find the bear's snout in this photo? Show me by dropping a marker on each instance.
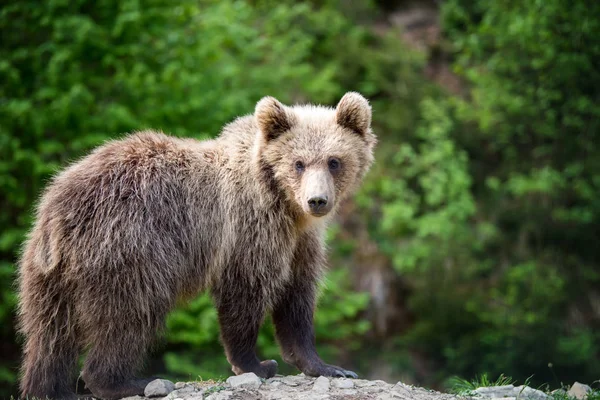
(318, 205)
(318, 192)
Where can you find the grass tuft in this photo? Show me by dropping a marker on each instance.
(463, 387)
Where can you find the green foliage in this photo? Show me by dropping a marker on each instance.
(463, 387)
(563, 395)
(424, 193)
(533, 110)
(489, 210)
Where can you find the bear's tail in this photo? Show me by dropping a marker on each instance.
(46, 322)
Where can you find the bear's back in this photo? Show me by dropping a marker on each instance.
(132, 198)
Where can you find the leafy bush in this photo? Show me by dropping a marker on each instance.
(490, 209)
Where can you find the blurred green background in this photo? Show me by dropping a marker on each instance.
(473, 246)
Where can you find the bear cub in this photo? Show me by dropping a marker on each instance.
(142, 222)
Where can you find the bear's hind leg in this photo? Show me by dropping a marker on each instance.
(50, 357)
(120, 327)
(110, 366)
(47, 323)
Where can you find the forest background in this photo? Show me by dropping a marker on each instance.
(472, 247)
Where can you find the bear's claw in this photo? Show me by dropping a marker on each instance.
(330, 370)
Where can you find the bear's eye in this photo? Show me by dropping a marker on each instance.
(334, 164)
(299, 165)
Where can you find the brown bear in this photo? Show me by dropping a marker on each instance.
(121, 235)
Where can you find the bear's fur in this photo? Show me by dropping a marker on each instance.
(141, 222)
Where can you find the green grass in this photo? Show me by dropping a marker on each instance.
(464, 387)
(562, 395)
(594, 395)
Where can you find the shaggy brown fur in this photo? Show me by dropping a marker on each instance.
(141, 222)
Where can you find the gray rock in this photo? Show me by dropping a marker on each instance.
(278, 395)
(404, 389)
(222, 395)
(363, 383)
(386, 396)
(579, 390)
(293, 380)
(321, 385)
(133, 398)
(182, 391)
(313, 396)
(372, 389)
(300, 387)
(248, 380)
(496, 391)
(342, 383)
(525, 392)
(511, 392)
(159, 388)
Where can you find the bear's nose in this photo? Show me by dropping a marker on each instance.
(317, 203)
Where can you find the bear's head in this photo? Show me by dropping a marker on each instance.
(317, 155)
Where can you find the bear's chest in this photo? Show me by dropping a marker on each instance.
(256, 246)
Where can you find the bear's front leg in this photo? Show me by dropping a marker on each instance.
(241, 311)
(293, 319)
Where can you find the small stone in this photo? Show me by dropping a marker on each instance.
(372, 389)
(188, 390)
(343, 383)
(579, 390)
(496, 391)
(321, 384)
(133, 398)
(363, 383)
(403, 388)
(292, 380)
(248, 380)
(180, 385)
(222, 395)
(159, 388)
(184, 390)
(313, 396)
(277, 395)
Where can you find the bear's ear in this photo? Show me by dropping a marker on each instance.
(272, 118)
(354, 112)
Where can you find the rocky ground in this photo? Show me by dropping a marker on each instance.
(297, 387)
